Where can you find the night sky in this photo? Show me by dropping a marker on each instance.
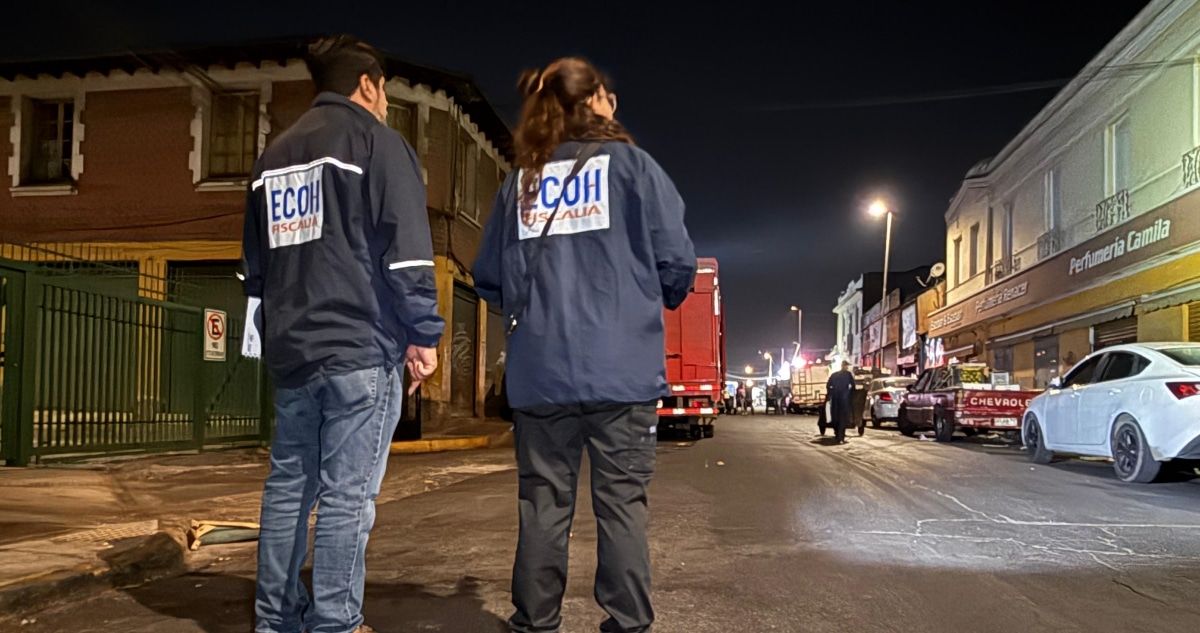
(755, 110)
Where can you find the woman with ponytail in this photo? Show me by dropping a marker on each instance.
(584, 248)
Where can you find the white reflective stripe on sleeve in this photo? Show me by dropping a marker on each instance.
(412, 263)
(328, 160)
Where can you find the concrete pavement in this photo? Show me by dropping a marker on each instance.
(766, 527)
(78, 528)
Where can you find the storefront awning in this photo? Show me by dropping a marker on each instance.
(1089, 319)
(1169, 298)
(951, 353)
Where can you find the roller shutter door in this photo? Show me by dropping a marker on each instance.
(1116, 332)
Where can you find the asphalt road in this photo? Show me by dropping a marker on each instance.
(767, 527)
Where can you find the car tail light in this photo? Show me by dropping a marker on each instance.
(1184, 389)
(885, 397)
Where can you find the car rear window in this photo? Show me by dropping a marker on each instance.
(1187, 356)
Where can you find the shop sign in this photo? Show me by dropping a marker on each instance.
(934, 353)
(874, 336)
(1166, 229)
(908, 319)
(1001, 296)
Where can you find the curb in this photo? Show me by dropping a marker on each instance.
(130, 562)
(441, 444)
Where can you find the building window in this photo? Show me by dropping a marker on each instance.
(51, 138)
(466, 166)
(1009, 226)
(973, 254)
(233, 135)
(1002, 359)
(402, 117)
(957, 261)
(1117, 154)
(1045, 361)
(1053, 200)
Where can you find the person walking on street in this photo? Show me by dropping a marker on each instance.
(338, 251)
(774, 396)
(840, 390)
(585, 246)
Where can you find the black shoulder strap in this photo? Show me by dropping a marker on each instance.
(517, 310)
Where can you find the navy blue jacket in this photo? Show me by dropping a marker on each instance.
(617, 253)
(336, 243)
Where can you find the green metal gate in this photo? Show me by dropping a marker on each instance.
(86, 372)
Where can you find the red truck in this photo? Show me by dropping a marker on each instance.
(962, 396)
(695, 349)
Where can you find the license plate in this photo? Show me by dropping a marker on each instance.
(1006, 421)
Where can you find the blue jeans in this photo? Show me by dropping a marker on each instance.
(331, 444)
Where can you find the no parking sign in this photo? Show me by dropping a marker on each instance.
(214, 335)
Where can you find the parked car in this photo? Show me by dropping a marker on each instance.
(962, 396)
(884, 396)
(1137, 404)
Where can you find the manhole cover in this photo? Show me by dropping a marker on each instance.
(111, 532)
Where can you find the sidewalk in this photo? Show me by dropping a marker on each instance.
(115, 522)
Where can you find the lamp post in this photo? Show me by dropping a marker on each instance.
(879, 208)
(799, 330)
(770, 364)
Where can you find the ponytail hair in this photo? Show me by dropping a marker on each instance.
(555, 111)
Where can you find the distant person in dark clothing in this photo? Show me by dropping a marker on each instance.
(774, 397)
(841, 401)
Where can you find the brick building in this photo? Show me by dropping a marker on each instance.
(141, 161)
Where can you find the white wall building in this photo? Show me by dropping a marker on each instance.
(849, 313)
(1084, 230)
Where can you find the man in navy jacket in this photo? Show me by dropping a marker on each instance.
(338, 249)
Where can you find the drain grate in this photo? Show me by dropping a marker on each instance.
(113, 532)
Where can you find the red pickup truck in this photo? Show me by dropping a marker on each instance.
(961, 396)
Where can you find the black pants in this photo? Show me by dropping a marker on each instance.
(620, 441)
(840, 412)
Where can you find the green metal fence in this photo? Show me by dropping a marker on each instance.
(87, 372)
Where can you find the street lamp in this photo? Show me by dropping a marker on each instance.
(877, 209)
(749, 369)
(770, 364)
(799, 330)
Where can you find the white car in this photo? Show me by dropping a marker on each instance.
(1137, 404)
(884, 396)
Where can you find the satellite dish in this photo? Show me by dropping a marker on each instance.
(938, 270)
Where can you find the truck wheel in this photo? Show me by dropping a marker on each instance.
(1132, 460)
(907, 428)
(709, 429)
(1035, 441)
(943, 426)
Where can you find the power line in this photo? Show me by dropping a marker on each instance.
(1092, 74)
(928, 97)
